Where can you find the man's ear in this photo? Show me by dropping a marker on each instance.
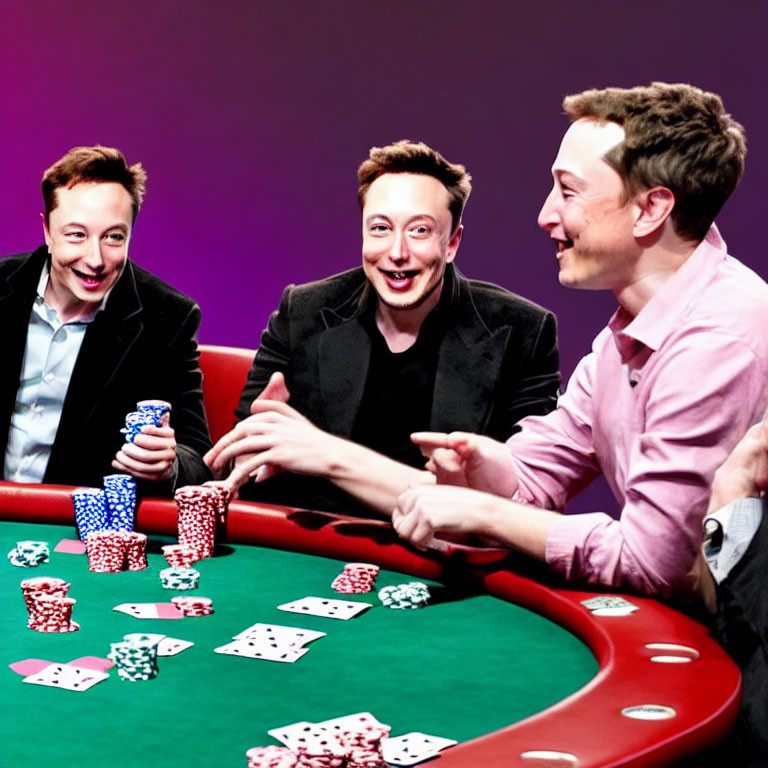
(654, 207)
(454, 242)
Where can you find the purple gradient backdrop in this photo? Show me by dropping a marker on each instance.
(251, 118)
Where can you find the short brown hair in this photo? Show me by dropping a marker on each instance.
(94, 164)
(416, 157)
(676, 136)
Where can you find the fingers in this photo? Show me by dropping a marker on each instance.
(233, 443)
(260, 406)
(276, 389)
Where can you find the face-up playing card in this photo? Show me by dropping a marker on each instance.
(313, 736)
(278, 635)
(412, 748)
(170, 646)
(609, 605)
(150, 610)
(322, 606)
(67, 676)
(359, 723)
(253, 650)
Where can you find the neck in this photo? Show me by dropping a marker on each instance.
(654, 267)
(66, 310)
(400, 327)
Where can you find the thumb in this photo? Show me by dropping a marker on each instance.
(275, 389)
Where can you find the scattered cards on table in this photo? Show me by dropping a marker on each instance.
(271, 642)
(325, 607)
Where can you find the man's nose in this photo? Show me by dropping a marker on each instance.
(399, 250)
(548, 218)
(93, 257)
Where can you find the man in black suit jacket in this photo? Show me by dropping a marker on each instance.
(87, 334)
(349, 366)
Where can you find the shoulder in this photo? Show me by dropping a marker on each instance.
(330, 292)
(498, 305)
(155, 294)
(14, 262)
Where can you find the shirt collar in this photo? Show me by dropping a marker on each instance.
(661, 315)
(42, 284)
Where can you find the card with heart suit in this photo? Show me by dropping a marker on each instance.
(251, 649)
(170, 646)
(150, 610)
(323, 606)
(68, 677)
(278, 635)
(413, 748)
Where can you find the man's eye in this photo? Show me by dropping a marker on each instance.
(420, 231)
(74, 235)
(116, 238)
(379, 229)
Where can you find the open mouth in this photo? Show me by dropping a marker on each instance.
(404, 275)
(89, 280)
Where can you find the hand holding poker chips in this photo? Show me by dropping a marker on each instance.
(148, 413)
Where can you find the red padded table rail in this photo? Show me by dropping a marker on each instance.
(588, 725)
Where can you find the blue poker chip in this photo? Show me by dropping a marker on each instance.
(91, 513)
(120, 492)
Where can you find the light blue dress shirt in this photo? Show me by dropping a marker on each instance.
(49, 359)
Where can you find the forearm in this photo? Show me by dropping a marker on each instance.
(370, 477)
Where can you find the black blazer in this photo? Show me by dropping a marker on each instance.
(142, 346)
(498, 362)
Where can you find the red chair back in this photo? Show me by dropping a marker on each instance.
(224, 372)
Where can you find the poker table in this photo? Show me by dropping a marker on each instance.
(515, 669)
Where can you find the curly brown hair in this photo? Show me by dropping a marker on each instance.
(93, 164)
(676, 136)
(416, 157)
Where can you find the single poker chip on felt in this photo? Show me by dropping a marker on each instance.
(29, 554)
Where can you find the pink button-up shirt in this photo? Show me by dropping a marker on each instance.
(656, 407)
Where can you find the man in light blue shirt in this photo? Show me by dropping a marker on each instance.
(89, 335)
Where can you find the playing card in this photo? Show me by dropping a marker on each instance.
(412, 748)
(313, 736)
(288, 734)
(253, 650)
(359, 723)
(278, 635)
(67, 676)
(170, 646)
(92, 662)
(70, 547)
(322, 606)
(27, 667)
(150, 610)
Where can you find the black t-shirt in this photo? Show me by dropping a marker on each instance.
(397, 399)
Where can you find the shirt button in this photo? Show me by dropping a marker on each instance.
(49, 377)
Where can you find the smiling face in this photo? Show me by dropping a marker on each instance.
(407, 239)
(586, 213)
(87, 236)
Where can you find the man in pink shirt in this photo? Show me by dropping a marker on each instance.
(671, 384)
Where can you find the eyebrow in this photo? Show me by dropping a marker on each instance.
(121, 226)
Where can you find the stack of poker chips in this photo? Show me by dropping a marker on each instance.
(271, 757)
(111, 508)
(193, 606)
(356, 578)
(48, 607)
(148, 413)
(178, 556)
(114, 551)
(179, 579)
(29, 554)
(120, 491)
(198, 510)
(350, 749)
(364, 747)
(413, 594)
(135, 657)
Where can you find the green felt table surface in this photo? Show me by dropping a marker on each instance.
(466, 665)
